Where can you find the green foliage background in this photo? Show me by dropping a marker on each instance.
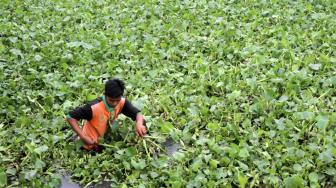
(246, 87)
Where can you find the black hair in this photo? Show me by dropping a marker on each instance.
(114, 88)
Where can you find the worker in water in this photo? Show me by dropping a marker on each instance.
(98, 113)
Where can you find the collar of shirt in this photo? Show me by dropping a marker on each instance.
(110, 109)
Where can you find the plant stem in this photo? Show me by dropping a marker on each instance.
(108, 145)
(156, 145)
(145, 146)
(38, 104)
(87, 185)
(325, 93)
(152, 137)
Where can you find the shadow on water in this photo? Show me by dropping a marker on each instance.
(169, 144)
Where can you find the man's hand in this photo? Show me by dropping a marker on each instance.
(87, 140)
(140, 129)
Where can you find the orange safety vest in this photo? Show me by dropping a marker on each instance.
(97, 126)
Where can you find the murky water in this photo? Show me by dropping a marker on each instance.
(170, 146)
(67, 183)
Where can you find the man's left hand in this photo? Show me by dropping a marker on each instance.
(140, 130)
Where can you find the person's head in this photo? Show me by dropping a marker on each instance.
(114, 89)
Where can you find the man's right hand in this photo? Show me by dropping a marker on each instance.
(87, 140)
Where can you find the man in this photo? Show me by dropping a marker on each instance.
(100, 111)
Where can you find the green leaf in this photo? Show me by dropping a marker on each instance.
(326, 156)
(283, 98)
(167, 127)
(90, 97)
(56, 138)
(297, 167)
(3, 179)
(179, 156)
(141, 164)
(126, 165)
(78, 44)
(252, 82)
(313, 177)
(196, 165)
(41, 149)
(39, 164)
(242, 180)
(16, 52)
(2, 148)
(131, 151)
(123, 185)
(315, 66)
(304, 115)
(234, 95)
(13, 39)
(11, 171)
(322, 122)
(243, 166)
(154, 174)
(30, 174)
(213, 126)
(294, 182)
(331, 171)
(243, 152)
(38, 58)
(213, 163)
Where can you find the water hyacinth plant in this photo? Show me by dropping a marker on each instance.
(245, 88)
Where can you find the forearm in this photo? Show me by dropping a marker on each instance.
(139, 118)
(74, 124)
